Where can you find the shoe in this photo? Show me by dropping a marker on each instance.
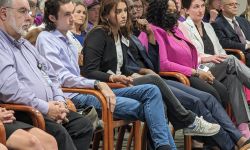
(246, 145)
(244, 130)
(201, 127)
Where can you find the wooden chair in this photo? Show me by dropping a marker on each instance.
(36, 117)
(238, 53)
(107, 117)
(2, 134)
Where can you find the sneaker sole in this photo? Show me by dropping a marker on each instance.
(201, 134)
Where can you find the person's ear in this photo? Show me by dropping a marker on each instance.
(3, 13)
(52, 18)
(186, 11)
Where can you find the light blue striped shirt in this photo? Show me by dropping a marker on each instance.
(63, 56)
(25, 76)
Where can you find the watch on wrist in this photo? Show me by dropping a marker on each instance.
(96, 84)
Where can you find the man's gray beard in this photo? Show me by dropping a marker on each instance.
(20, 31)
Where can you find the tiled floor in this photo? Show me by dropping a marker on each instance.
(179, 140)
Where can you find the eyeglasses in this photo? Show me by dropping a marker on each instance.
(136, 7)
(22, 11)
(233, 4)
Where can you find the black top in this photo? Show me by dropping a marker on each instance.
(137, 56)
(100, 56)
(208, 45)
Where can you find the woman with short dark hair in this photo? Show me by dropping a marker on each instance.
(226, 68)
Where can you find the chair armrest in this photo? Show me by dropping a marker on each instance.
(116, 85)
(36, 116)
(237, 52)
(95, 93)
(181, 77)
(2, 134)
(71, 105)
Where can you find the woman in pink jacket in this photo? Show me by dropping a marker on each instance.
(177, 53)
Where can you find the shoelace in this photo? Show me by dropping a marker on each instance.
(201, 125)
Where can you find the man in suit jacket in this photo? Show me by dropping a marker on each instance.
(232, 31)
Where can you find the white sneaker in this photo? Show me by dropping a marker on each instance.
(201, 127)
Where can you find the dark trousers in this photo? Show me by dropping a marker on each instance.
(217, 89)
(177, 114)
(74, 135)
(247, 55)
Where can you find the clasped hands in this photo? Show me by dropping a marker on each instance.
(58, 111)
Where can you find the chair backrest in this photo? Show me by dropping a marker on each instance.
(32, 35)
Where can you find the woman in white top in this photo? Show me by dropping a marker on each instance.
(226, 68)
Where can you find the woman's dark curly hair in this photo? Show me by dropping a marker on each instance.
(158, 15)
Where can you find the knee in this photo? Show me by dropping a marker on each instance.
(2, 147)
(151, 88)
(45, 139)
(21, 139)
(34, 143)
(50, 142)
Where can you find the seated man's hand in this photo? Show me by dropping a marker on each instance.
(56, 109)
(108, 94)
(64, 109)
(6, 116)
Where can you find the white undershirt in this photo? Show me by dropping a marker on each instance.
(119, 56)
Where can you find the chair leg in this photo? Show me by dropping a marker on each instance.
(120, 138)
(188, 142)
(144, 137)
(137, 135)
(130, 138)
(96, 140)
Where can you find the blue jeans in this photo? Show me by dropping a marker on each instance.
(204, 104)
(143, 102)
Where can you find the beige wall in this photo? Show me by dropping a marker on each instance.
(243, 6)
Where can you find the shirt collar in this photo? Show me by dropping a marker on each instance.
(58, 34)
(14, 42)
(229, 19)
